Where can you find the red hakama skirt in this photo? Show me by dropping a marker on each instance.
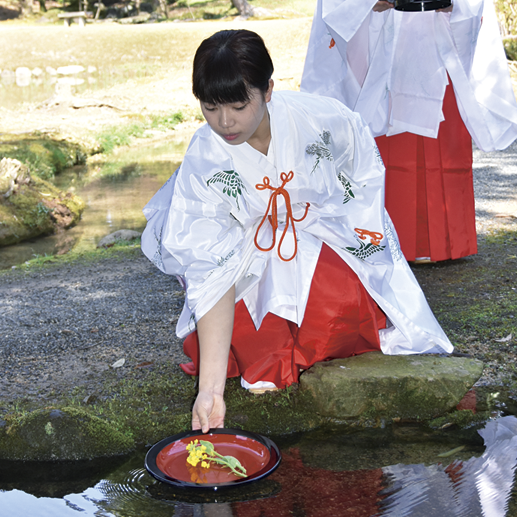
(429, 188)
(341, 320)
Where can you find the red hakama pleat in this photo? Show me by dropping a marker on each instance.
(429, 188)
(341, 320)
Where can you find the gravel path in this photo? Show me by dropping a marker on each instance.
(64, 326)
(495, 188)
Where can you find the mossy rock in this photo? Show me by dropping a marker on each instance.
(376, 386)
(60, 434)
(31, 207)
(44, 155)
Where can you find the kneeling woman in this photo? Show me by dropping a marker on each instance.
(275, 224)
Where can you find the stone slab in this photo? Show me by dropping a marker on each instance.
(375, 385)
(119, 235)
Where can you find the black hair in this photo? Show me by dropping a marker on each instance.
(228, 64)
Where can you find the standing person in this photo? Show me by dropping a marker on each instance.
(426, 83)
(275, 225)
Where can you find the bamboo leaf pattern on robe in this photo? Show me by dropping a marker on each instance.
(222, 261)
(396, 252)
(157, 257)
(233, 185)
(192, 323)
(364, 250)
(320, 149)
(347, 185)
(378, 154)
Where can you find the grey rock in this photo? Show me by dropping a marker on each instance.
(12, 173)
(374, 385)
(120, 235)
(139, 18)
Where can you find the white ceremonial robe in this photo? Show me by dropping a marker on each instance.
(392, 67)
(202, 223)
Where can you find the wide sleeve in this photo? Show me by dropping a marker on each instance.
(465, 22)
(193, 233)
(208, 243)
(339, 32)
(469, 43)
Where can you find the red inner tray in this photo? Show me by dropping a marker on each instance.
(172, 459)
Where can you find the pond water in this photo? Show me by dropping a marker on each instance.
(29, 71)
(26, 86)
(115, 193)
(393, 472)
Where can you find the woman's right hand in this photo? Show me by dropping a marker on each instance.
(382, 5)
(208, 411)
(214, 331)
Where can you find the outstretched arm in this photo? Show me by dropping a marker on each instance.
(214, 331)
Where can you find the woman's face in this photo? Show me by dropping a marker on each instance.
(241, 122)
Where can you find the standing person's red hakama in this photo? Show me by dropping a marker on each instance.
(429, 188)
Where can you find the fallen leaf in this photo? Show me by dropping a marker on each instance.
(144, 364)
(451, 452)
(505, 339)
(119, 363)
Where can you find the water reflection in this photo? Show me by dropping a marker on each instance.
(480, 485)
(23, 85)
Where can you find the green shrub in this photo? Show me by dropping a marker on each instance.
(44, 155)
(507, 15)
(510, 47)
(169, 121)
(121, 135)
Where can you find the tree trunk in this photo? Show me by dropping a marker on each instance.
(243, 7)
(42, 6)
(25, 7)
(162, 7)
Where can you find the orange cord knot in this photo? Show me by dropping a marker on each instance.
(375, 237)
(273, 218)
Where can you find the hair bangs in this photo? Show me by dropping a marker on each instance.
(222, 82)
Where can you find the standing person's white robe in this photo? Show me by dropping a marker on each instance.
(392, 67)
(202, 223)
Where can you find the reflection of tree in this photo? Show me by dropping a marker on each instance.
(314, 492)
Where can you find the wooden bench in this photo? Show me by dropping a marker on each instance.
(78, 17)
